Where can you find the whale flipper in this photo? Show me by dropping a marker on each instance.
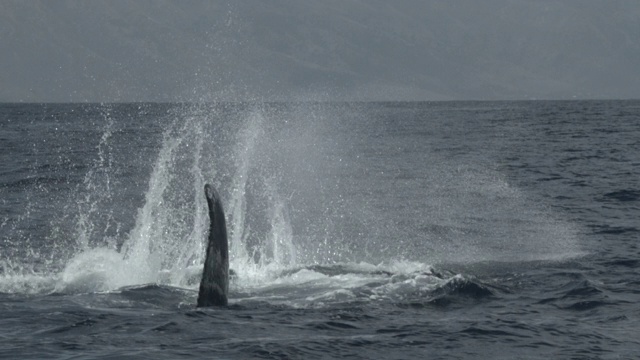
(214, 285)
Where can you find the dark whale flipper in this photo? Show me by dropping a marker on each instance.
(214, 285)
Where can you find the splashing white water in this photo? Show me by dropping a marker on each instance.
(339, 215)
(245, 152)
(166, 246)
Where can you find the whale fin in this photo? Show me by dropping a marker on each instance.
(214, 285)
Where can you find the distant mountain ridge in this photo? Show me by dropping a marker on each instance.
(143, 50)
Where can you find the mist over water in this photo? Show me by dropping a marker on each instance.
(354, 228)
(303, 184)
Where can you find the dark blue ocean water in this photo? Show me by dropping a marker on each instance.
(447, 230)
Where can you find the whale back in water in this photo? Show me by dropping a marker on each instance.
(214, 285)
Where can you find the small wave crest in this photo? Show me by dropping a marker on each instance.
(624, 195)
(581, 295)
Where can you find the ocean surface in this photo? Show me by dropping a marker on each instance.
(445, 230)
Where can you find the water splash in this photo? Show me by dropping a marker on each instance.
(295, 195)
(244, 153)
(166, 245)
(279, 248)
(97, 189)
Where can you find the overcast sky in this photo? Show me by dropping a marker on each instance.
(191, 50)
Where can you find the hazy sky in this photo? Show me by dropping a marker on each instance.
(191, 50)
